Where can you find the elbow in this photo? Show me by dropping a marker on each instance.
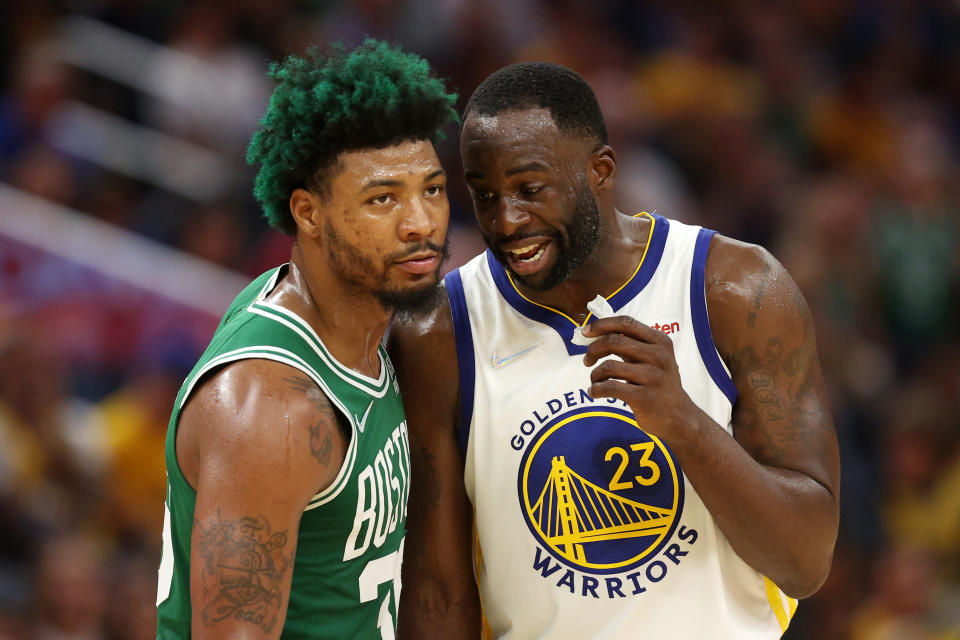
(804, 584)
(811, 556)
(808, 573)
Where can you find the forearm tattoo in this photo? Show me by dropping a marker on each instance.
(245, 565)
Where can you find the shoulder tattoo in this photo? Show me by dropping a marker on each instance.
(321, 438)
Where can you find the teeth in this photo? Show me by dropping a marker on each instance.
(535, 257)
(522, 250)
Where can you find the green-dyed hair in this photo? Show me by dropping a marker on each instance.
(325, 103)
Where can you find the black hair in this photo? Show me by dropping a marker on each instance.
(530, 85)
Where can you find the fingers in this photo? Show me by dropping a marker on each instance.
(627, 348)
(613, 389)
(627, 326)
(629, 372)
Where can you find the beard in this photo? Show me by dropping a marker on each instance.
(357, 268)
(582, 236)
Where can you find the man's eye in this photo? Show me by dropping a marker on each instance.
(529, 190)
(384, 199)
(483, 196)
(435, 190)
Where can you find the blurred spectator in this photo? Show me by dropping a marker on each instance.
(922, 475)
(40, 84)
(47, 463)
(70, 590)
(130, 611)
(907, 603)
(214, 84)
(135, 422)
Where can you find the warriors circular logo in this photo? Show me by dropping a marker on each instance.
(598, 492)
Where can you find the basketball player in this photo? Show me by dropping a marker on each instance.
(631, 408)
(287, 453)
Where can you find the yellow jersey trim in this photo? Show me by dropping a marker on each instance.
(783, 605)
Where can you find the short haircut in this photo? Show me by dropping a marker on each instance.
(325, 103)
(531, 85)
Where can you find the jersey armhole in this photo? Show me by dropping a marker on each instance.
(701, 319)
(463, 336)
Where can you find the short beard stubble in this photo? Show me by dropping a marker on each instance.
(350, 264)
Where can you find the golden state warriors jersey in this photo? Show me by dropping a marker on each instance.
(586, 526)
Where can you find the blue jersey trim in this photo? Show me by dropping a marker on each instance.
(463, 335)
(701, 319)
(651, 261)
(560, 323)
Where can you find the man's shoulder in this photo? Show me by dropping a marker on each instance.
(750, 295)
(251, 393)
(733, 266)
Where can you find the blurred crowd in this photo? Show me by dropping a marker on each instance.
(826, 130)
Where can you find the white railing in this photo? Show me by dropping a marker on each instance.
(119, 254)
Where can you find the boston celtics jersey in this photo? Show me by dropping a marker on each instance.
(346, 574)
(586, 524)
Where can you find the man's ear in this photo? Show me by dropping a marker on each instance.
(603, 169)
(306, 209)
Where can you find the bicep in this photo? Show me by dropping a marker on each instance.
(765, 332)
(254, 476)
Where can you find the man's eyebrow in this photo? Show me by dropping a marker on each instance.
(398, 183)
(536, 165)
(530, 166)
(381, 183)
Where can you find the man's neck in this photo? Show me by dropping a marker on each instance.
(351, 322)
(613, 261)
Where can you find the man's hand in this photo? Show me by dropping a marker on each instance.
(647, 378)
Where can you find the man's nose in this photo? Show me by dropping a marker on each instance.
(419, 221)
(510, 217)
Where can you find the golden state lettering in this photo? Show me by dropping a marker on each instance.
(382, 489)
(601, 496)
(619, 586)
(552, 407)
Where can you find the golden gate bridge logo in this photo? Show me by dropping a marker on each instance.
(601, 521)
(572, 511)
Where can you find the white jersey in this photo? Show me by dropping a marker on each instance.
(586, 525)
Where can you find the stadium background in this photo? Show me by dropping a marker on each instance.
(826, 130)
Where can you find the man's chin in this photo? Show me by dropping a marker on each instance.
(412, 301)
(542, 280)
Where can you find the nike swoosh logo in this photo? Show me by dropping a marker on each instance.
(502, 362)
(362, 422)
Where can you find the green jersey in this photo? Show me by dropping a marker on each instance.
(346, 574)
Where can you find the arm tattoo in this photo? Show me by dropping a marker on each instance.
(786, 412)
(321, 441)
(244, 566)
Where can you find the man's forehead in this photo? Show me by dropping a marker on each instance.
(406, 158)
(516, 124)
